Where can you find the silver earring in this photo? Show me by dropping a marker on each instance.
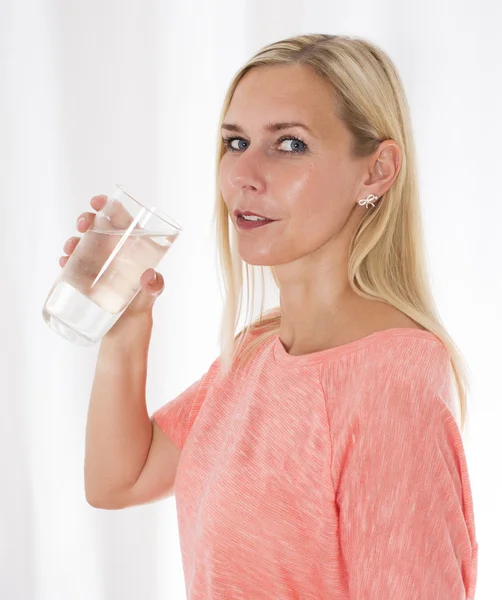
(368, 201)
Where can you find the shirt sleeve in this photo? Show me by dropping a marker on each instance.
(176, 417)
(404, 500)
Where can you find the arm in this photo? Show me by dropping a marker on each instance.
(119, 431)
(404, 500)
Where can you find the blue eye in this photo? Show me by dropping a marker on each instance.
(228, 143)
(298, 145)
(295, 142)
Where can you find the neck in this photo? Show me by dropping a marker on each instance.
(312, 322)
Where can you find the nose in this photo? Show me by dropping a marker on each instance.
(246, 172)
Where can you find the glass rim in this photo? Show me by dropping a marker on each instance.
(153, 211)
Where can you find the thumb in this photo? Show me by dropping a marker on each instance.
(152, 285)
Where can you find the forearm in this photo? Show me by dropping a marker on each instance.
(119, 430)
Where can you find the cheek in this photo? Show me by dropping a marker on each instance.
(312, 200)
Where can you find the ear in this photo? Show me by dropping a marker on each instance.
(383, 169)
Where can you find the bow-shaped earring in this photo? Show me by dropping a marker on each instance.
(368, 201)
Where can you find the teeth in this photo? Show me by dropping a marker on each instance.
(253, 218)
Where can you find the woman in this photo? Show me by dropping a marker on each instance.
(319, 456)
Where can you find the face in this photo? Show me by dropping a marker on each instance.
(303, 179)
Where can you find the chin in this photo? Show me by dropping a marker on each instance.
(258, 261)
(264, 260)
(268, 255)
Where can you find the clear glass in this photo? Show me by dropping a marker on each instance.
(102, 275)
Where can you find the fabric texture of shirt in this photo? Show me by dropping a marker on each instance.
(338, 475)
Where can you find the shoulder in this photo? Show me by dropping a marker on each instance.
(397, 371)
(391, 357)
(409, 357)
(413, 388)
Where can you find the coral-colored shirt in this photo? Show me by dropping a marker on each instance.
(338, 474)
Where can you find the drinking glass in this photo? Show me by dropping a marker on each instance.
(102, 275)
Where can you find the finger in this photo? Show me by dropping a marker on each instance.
(84, 221)
(149, 292)
(117, 214)
(63, 260)
(98, 202)
(70, 244)
(153, 283)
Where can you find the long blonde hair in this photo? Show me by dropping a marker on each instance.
(386, 259)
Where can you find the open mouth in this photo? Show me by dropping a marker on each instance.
(248, 223)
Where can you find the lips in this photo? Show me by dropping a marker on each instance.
(244, 224)
(247, 213)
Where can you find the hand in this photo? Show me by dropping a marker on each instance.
(151, 281)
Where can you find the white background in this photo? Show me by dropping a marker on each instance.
(102, 92)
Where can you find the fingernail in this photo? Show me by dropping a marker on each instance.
(82, 221)
(153, 278)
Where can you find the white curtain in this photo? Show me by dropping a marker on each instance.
(103, 92)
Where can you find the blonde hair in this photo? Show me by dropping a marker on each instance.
(386, 259)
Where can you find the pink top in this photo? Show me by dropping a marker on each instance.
(339, 474)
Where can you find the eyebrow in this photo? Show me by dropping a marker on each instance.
(269, 127)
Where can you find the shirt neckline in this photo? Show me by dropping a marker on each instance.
(282, 357)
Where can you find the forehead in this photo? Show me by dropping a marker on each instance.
(282, 93)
